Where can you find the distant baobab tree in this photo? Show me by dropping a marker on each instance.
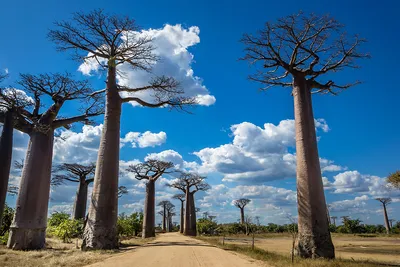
(111, 41)
(163, 204)
(76, 173)
(12, 103)
(185, 182)
(170, 209)
(241, 203)
(385, 201)
(394, 179)
(150, 171)
(297, 51)
(391, 221)
(50, 92)
(181, 198)
(334, 220)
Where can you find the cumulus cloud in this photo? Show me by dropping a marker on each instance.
(174, 157)
(356, 205)
(171, 46)
(146, 139)
(258, 154)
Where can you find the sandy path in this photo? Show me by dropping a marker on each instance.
(176, 250)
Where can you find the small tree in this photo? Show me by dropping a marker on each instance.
(77, 173)
(394, 179)
(29, 225)
(385, 201)
(111, 41)
(185, 182)
(241, 203)
(297, 51)
(181, 198)
(150, 171)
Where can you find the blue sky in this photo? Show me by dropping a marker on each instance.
(362, 140)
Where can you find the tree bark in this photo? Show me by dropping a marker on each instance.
(182, 218)
(314, 239)
(149, 211)
(6, 144)
(164, 226)
(242, 215)
(193, 227)
(80, 201)
(386, 219)
(186, 228)
(101, 228)
(28, 229)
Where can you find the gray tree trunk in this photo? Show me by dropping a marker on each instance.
(186, 228)
(6, 144)
(101, 227)
(164, 225)
(149, 211)
(182, 218)
(28, 229)
(80, 201)
(242, 215)
(193, 228)
(387, 225)
(314, 239)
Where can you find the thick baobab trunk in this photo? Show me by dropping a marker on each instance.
(80, 201)
(6, 141)
(387, 225)
(242, 215)
(149, 211)
(193, 227)
(28, 229)
(182, 218)
(186, 228)
(314, 239)
(101, 227)
(164, 226)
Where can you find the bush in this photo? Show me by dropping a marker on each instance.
(206, 226)
(4, 239)
(57, 218)
(8, 215)
(67, 229)
(129, 225)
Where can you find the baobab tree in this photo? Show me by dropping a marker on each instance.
(163, 204)
(29, 224)
(391, 221)
(111, 41)
(394, 179)
(150, 171)
(12, 102)
(185, 182)
(181, 198)
(241, 203)
(170, 208)
(385, 201)
(334, 220)
(297, 51)
(81, 174)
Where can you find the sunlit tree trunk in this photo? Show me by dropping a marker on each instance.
(149, 211)
(242, 215)
(29, 225)
(387, 225)
(101, 231)
(186, 228)
(182, 217)
(80, 201)
(164, 225)
(193, 228)
(6, 141)
(314, 239)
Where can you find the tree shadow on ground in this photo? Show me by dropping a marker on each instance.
(178, 244)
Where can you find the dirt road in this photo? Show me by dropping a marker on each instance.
(176, 250)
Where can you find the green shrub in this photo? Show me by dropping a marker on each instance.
(129, 225)
(8, 215)
(57, 218)
(67, 229)
(4, 239)
(206, 226)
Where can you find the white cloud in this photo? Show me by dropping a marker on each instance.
(6, 70)
(171, 46)
(146, 139)
(174, 157)
(351, 206)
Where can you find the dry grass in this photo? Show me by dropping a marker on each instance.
(61, 255)
(279, 260)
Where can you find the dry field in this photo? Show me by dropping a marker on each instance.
(373, 249)
(61, 255)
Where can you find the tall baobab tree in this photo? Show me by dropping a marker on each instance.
(163, 204)
(181, 198)
(111, 41)
(29, 224)
(391, 221)
(185, 182)
(394, 179)
(170, 208)
(385, 201)
(12, 102)
(297, 51)
(334, 220)
(77, 173)
(241, 203)
(149, 170)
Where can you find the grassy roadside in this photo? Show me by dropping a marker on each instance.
(282, 261)
(62, 254)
